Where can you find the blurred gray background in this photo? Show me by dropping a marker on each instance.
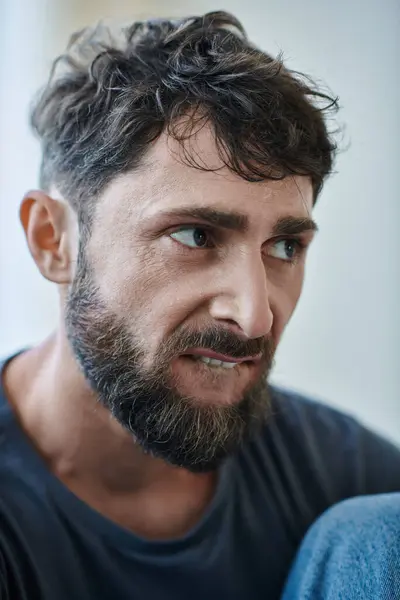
(343, 343)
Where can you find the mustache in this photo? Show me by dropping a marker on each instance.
(221, 341)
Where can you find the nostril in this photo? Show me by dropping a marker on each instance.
(231, 322)
(232, 326)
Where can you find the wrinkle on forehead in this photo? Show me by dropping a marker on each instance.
(165, 179)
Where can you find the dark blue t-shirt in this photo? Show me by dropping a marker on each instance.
(55, 547)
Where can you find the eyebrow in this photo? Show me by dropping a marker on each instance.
(236, 221)
(226, 220)
(293, 226)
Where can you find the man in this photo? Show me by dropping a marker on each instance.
(143, 454)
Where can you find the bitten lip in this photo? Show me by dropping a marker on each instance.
(222, 357)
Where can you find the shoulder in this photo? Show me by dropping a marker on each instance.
(334, 448)
(312, 420)
(295, 409)
(314, 424)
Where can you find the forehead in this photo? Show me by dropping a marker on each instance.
(166, 180)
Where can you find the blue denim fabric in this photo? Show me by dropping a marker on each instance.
(351, 553)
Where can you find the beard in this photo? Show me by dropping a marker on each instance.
(182, 430)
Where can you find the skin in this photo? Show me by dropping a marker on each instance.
(148, 277)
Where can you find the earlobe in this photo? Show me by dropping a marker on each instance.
(45, 224)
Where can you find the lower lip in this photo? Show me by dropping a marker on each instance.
(214, 385)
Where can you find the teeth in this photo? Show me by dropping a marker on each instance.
(204, 359)
(216, 363)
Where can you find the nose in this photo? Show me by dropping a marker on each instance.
(242, 299)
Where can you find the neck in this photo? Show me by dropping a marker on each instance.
(92, 454)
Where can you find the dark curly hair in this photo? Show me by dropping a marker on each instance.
(115, 95)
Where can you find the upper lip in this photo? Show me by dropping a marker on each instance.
(222, 357)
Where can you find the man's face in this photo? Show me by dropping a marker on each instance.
(183, 266)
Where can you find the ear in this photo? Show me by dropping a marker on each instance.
(45, 222)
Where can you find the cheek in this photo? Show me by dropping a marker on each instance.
(284, 297)
(149, 293)
(131, 287)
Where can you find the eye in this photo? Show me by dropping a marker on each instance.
(287, 250)
(193, 237)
